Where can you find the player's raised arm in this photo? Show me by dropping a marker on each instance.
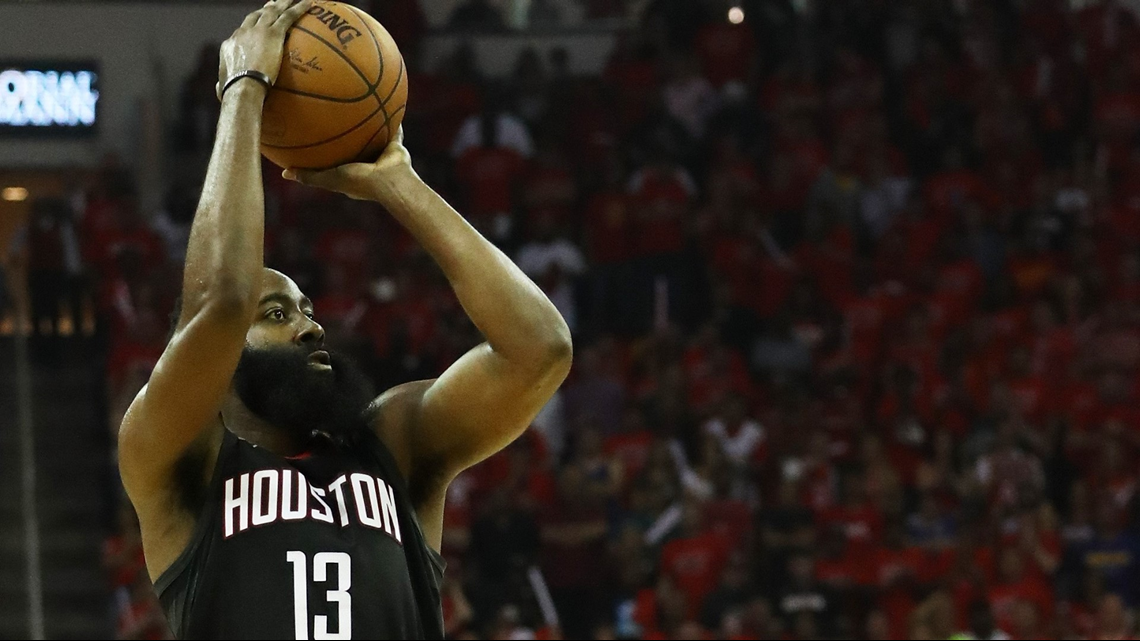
(490, 395)
(222, 275)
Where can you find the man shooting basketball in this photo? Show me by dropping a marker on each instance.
(277, 499)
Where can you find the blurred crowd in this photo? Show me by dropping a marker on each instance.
(855, 294)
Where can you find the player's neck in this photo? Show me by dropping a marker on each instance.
(250, 427)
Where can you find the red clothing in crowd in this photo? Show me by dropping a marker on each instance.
(861, 524)
(488, 178)
(573, 564)
(661, 198)
(695, 564)
(632, 449)
(1004, 597)
(349, 248)
(895, 573)
(756, 282)
(608, 228)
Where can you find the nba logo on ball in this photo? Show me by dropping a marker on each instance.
(341, 93)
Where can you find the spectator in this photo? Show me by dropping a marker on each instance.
(780, 353)
(508, 625)
(1008, 472)
(734, 591)
(457, 610)
(573, 538)
(504, 544)
(807, 607)
(199, 104)
(493, 123)
(905, 259)
(596, 395)
(861, 522)
(689, 97)
(757, 619)
(533, 90)
(553, 261)
(661, 611)
(662, 194)
(931, 527)
(1014, 588)
(172, 223)
(608, 243)
(981, 624)
(55, 271)
(489, 175)
(139, 614)
(898, 569)
(1113, 554)
(742, 439)
(786, 527)
(1113, 620)
(604, 474)
(933, 618)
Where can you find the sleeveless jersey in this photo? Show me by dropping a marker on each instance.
(323, 546)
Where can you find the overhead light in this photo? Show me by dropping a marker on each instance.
(14, 194)
(736, 15)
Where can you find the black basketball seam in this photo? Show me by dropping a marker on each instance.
(340, 135)
(379, 54)
(371, 87)
(298, 92)
(399, 77)
(384, 103)
(368, 142)
(387, 116)
(387, 125)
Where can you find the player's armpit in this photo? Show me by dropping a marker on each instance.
(184, 395)
(477, 407)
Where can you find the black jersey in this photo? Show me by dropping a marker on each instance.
(322, 546)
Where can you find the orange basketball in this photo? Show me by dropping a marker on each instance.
(341, 93)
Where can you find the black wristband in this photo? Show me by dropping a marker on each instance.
(249, 73)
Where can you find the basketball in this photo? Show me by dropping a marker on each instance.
(341, 92)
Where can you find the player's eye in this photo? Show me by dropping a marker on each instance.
(310, 316)
(276, 314)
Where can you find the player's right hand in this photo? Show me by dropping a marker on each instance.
(257, 44)
(359, 181)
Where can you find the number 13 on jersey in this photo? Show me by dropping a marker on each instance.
(340, 596)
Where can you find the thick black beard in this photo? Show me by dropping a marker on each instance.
(281, 386)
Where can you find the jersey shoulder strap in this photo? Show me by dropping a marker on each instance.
(425, 565)
(176, 587)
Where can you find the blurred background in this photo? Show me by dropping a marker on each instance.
(854, 286)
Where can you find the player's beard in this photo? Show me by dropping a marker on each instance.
(281, 386)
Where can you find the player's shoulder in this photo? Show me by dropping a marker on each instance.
(393, 416)
(400, 398)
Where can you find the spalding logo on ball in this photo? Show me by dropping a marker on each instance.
(341, 92)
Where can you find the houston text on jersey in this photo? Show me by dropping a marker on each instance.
(257, 499)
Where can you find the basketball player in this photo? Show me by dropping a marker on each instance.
(277, 498)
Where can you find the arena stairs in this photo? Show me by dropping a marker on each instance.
(71, 463)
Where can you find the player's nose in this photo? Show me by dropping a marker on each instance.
(312, 334)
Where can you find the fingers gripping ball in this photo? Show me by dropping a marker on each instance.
(341, 93)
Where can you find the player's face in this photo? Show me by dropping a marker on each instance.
(286, 319)
(287, 378)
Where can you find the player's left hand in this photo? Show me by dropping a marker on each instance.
(359, 181)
